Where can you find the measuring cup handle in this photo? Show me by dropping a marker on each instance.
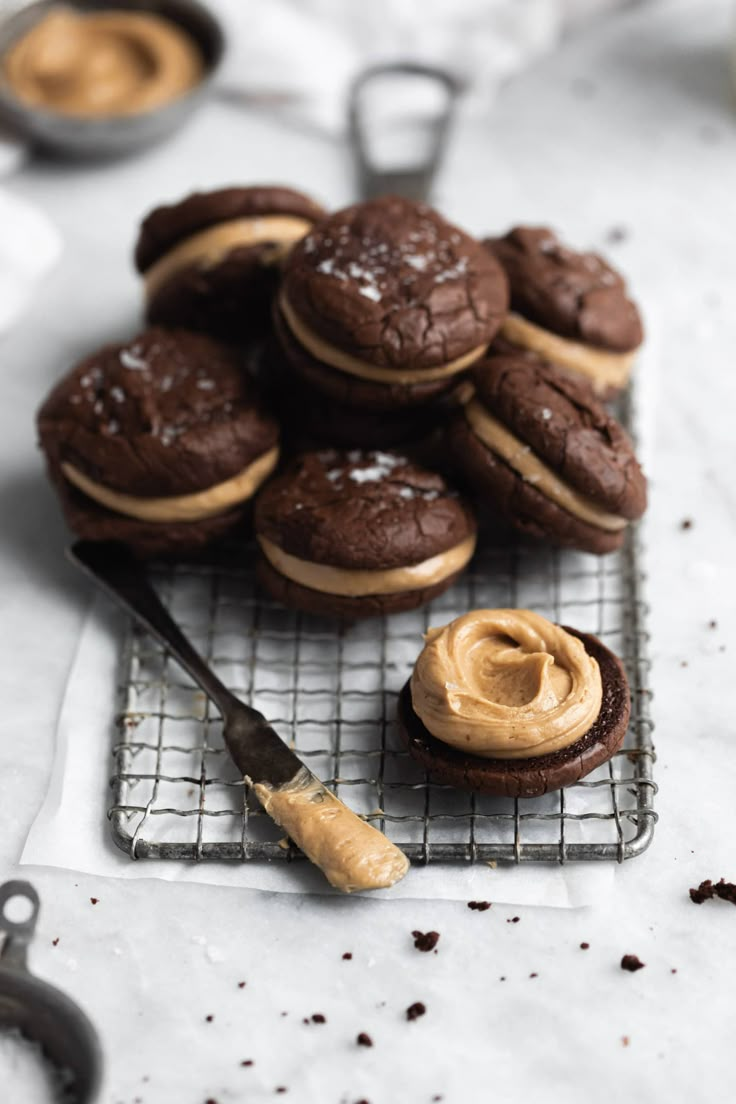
(17, 934)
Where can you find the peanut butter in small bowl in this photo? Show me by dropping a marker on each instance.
(88, 79)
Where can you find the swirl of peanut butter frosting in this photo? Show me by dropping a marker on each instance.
(505, 684)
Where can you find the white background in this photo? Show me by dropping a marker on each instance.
(631, 125)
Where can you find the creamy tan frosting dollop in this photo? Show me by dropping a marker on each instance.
(207, 248)
(102, 63)
(351, 582)
(532, 469)
(191, 507)
(329, 354)
(352, 853)
(602, 369)
(505, 684)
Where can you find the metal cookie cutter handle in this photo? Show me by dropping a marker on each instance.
(415, 180)
(42, 1013)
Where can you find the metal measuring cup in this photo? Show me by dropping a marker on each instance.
(42, 1013)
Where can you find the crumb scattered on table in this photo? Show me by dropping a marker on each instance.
(364, 1039)
(425, 941)
(479, 906)
(632, 963)
(414, 1011)
(708, 889)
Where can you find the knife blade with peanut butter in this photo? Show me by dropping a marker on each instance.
(352, 854)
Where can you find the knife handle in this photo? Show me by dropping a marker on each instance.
(352, 854)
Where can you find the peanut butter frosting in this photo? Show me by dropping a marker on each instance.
(604, 370)
(209, 247)
(358, 583)
(531, 468)
(174, 508)
(505, 684)
(102, 63)
(329, 354)
(352, 854)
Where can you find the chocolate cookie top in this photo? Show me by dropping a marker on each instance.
(361, 510)
(166, 226)
(575, 295)
(561, 420)
(392, 283)
(168, 413)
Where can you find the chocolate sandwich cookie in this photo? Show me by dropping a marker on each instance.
(385, 305)
(542, 452)
(211, 261)
(505, 702)
(571, 308)
(357, 534)
(159, 443)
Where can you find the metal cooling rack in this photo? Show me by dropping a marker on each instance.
(332, 693)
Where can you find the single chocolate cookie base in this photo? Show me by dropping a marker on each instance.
(354, 391)
(182, 540)
(498, 487)
(231, 300)
(536, 776)
(294, 595)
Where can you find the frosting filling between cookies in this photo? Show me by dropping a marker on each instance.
(210, 247)
(602, 369)
(506, 684)
(533, 470)
(176, 508)
(352, 853)
(356, 583)
(335, 358)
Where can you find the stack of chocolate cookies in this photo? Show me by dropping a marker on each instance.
(280, 331)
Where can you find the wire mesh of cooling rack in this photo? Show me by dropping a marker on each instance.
(331, 692)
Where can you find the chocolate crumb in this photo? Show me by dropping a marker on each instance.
(425, 941)
(281, 1088)
(305, 1019)
(686, 523)
(437, 1097)
(502, 979)
(210, 1100)
(247, 1062)
(94, 900)
(414, 1011)
(631, 963)
(533, 975)
(713, 624)
(584, 946)
(348, 955)
(513, 919)
(284, 1013)
(241, 985)
(673, 970)
(479, 906)
(55, 942)
(707, 889)
(209, 1018)
(616, 235)
(364, 1039)
(625, 1040)
(317, 1017)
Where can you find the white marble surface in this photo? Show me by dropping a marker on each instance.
(630, 126)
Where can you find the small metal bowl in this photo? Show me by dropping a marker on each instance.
(113, 135)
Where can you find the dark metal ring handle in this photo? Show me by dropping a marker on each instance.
(415, 182)
(18, 933)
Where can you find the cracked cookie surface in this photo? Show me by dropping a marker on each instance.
(575, 295)
(392, 283)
